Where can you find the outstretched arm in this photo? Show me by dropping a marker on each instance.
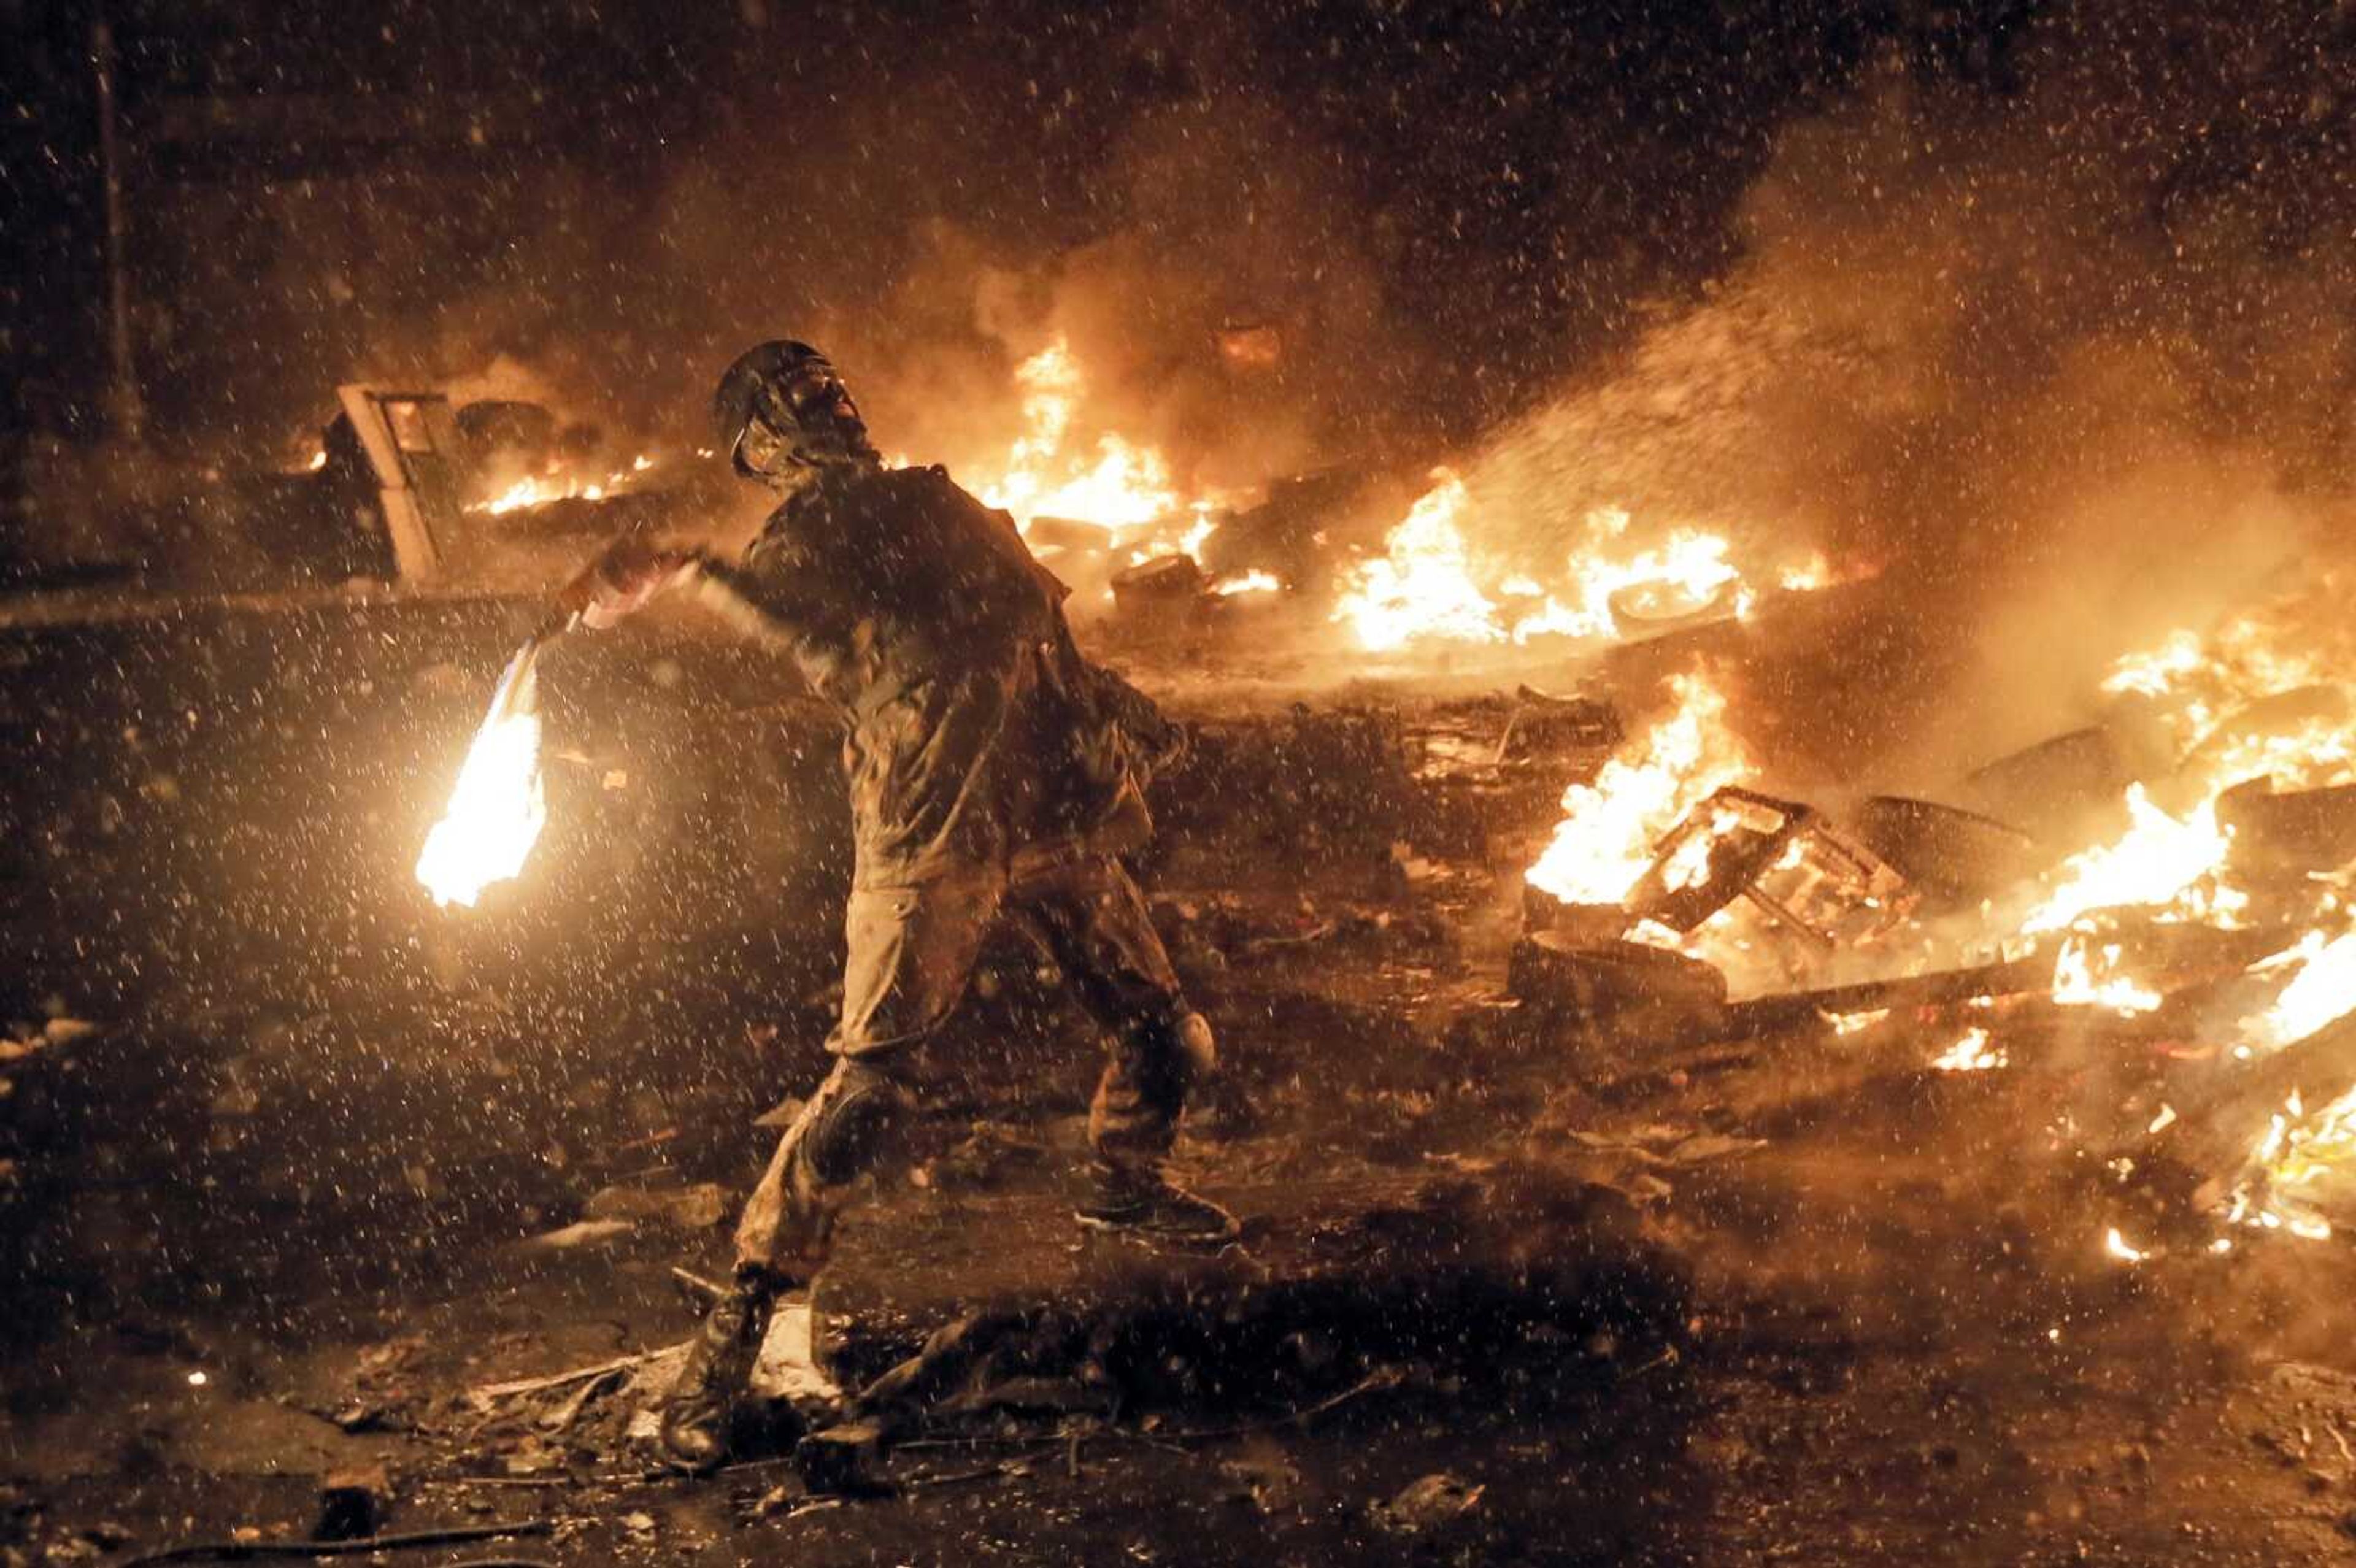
(635, 568)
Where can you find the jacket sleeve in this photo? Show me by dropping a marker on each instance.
(771, 597)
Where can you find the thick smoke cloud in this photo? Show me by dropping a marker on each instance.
(2070, 365)
(1436, 208)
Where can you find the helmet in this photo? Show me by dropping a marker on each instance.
(782, 406)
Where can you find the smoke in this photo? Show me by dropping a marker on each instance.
(2068, 364)
(932, 203)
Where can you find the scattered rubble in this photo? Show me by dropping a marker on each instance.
(1429, 1504)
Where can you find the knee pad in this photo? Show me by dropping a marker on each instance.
(1168, 1056)
(854, 1118)
(1196, 1045)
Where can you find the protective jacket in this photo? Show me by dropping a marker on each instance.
(977, 734)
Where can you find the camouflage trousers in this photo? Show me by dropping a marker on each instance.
(911, 952)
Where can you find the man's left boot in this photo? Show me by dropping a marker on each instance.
(696, 1411)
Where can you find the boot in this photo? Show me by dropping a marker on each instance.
(696, 1411)
(1143, 1202)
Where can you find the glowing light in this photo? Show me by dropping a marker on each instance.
(1605, 840)
(1421, 586)
(2086, 975)
(1972, 1054)
(541, 489)
(2323, 990)
(499, 804)
(1428, 585)
(2297, 1150)
(2120, 1248)
(1252, 581)
(2159, 860)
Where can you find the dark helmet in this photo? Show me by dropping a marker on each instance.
(781, 406)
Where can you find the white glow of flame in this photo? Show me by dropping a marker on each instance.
(1605, 841)
(1428, 585)
(2297, 1150)
(499, 806)
(2159, 860)
(1972, 1054)
(2322, 991)
(2120, 1248)
(1252, 581)
(2087, 975)
(1421, 586)
(540, 489)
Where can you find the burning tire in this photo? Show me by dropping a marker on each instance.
(1943, 850)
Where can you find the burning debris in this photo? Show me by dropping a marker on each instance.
(1581, 900)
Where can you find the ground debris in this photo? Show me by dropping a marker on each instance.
(580, 1232)
(696, 1207)
(353, 1502)
(1428, 1504)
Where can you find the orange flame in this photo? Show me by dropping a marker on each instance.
(539, 490)
(1605, 841)
(499, 806)
(1428, 585)
(2085, 975)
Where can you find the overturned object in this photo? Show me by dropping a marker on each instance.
(2289, 832)
(1166, 586)
(1815, 882)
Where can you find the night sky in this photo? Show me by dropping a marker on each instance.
(314, 188)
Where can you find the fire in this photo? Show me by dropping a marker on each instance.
(1605, 840)
(1423, 586)
(2119, 1247)
(2296, 1151)
(1255, 580)
(1972, 1054)
(1427, 585)
(2085, 975)
(497, 808)
(2199, 680)
(1116, 483)
(2161, 860)
(2322, 990)
(539, 490)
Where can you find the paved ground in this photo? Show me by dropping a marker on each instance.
(1509, 1294)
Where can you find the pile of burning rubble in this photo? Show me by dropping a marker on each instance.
(2174, 876)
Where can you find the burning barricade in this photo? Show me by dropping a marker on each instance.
(2175, 914)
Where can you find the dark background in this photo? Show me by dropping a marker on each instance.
(620, 192)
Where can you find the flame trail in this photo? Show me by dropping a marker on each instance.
(497, 808)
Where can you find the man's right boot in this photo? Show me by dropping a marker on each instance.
(696, 1411)
(1141, 1201)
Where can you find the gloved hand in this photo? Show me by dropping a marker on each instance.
(627, 573)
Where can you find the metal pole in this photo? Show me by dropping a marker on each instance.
(129, 408)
